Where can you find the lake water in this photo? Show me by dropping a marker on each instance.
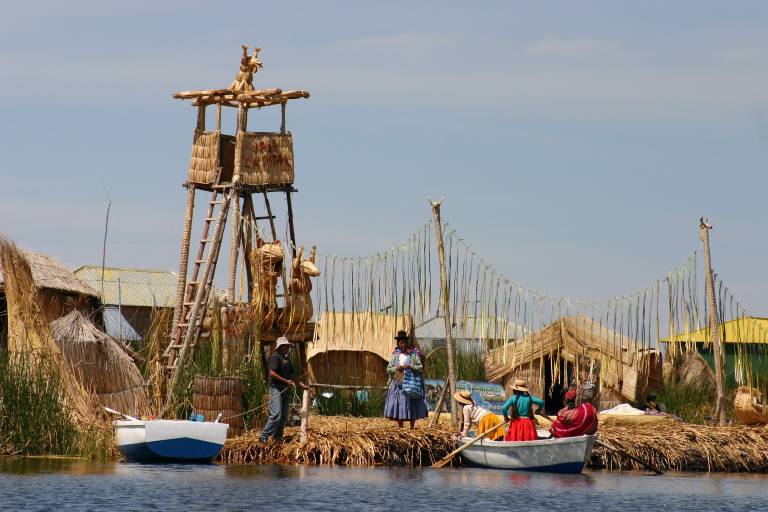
(45, 484)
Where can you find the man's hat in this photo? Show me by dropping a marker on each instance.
(282, 340)
(402, 335)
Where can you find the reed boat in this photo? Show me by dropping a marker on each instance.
(170, 440)
(566, 455)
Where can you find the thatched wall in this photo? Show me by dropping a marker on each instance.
(350, 368)
(354, 348)
(101, 364)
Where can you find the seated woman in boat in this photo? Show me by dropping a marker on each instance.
(476, 415)
(575, 420)
(399, 406)
(521, 404)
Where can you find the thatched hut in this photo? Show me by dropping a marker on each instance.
(101, 364)
(59, 291)
(574, 350)
(353, 349)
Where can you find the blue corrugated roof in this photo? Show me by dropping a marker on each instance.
(132, 287)
(117, 326)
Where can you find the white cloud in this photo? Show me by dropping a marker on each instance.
(557, 47)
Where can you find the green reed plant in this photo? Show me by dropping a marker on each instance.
(33, 417)
(367, 403)
(468, 365)
(693, 403)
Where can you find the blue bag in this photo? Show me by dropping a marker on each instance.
(413, 385)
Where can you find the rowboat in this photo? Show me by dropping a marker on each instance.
(170, 440)
(565, 455)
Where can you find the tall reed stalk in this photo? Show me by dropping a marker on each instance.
(33, 417)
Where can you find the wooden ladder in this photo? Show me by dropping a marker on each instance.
(198, 289)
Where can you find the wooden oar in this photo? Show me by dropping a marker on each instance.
(646, 465)
(131, 418)
(445, 460)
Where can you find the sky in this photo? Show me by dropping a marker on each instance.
(575, 144)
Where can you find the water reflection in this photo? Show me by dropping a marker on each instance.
(190, 487)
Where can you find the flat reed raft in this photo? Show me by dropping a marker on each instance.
(376, 441)
(345, 441)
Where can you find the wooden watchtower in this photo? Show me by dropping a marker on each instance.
(230, 170)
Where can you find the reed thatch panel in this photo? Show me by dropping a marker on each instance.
(264, 158)
(205, 157)
(366, 331)
(101, 364)
(48, 274)
(348, 368)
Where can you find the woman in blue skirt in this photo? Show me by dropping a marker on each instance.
(399, 406)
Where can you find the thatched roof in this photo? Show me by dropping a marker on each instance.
(101, 364)
(371, 332)
(571, 336)
(47, 273)
(624, 367)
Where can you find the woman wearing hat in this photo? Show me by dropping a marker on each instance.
(398, 406)
(521, 403)
(476, 415)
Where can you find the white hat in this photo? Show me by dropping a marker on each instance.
(282, 340)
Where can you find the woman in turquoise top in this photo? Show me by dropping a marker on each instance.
(521, 402)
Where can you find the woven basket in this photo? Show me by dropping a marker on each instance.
(747, 408)
(214, 395)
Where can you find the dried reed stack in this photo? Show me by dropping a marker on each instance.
(156, 338)
(345, 441)
(684, 447)
(29, 335)
(101, 364)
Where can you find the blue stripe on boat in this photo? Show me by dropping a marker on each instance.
(182, 449)
(570, 468)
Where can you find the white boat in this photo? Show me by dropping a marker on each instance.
(565, 455)
(170, 440)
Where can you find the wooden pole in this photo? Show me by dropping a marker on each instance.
(291, 229)
(446, 309)
(304, 416)
(717, 349)
(439, 407)
(181, 284)
(282, 117)
(234, 246)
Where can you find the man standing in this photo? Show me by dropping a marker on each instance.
(575, 420)
(281, 381)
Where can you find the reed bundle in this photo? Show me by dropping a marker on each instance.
(101, 364)
(345, 441)
(29, 335)
(684, 447)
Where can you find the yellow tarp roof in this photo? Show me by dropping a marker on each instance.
(747, 329)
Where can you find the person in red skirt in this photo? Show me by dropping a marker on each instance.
(519, 409)
(575, 420)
